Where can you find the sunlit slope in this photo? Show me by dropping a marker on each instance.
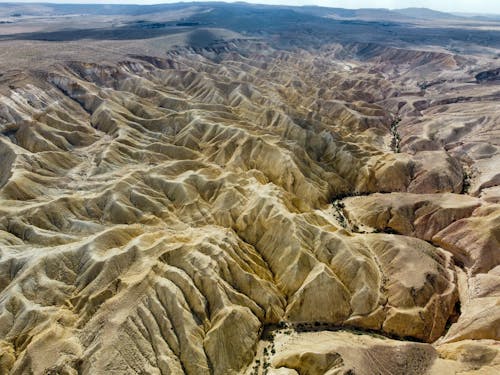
(159, 214)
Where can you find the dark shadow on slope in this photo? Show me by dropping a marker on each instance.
(201, 38)
(131, 32)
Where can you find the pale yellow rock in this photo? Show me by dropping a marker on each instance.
(421, 292)
(417, 215)
(479, 320)
(160, 214)
(7, 357)
(233, 328)
(474, 241)
(322, 297)
(318, 353)
(473, 356)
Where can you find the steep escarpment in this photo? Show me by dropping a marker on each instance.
(158, 215)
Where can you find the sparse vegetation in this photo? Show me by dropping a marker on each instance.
(396, 138)
(466, 184)
(339, 213)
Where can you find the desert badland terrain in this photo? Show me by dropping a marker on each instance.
(239, 189)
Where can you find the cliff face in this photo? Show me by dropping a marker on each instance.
(194, 214)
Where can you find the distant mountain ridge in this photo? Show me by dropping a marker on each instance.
(404, 14)
(52, 9)
(425, 13)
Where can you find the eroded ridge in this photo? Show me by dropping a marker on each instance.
(159, 213)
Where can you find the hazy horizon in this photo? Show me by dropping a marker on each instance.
(456, 6)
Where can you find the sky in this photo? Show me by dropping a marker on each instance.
(469, 6)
